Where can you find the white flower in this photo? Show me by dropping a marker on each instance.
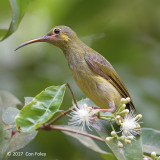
(81, 116)
(130, 126)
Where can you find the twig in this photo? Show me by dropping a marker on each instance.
(107, 119)
(57, 127)
(112, 126)
(58, 117)
(74, 99)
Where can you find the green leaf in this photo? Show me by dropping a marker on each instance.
(16, 142)
(27, 100)
(151, 140)
(18, 10)
(7, 99)
(40, 109)
(9, 115)
(89, 143)
(134, 150)
(3, 32)
(103, 133)
(20, 140)
(128, 152)
(9, 143)
(108, 156)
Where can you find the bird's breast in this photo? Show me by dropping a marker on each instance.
(98, 89)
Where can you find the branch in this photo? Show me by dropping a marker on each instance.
(74, 99)
(58, 117)
(57, 127)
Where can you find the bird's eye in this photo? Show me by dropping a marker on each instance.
(56, 31)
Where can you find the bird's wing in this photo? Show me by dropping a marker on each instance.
(102, 67)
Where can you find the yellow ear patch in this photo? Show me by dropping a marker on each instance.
(65, 37)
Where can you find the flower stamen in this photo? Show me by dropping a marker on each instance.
(82, 116)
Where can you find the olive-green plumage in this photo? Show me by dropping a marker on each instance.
(94, 75)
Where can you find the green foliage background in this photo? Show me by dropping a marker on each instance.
(126, 32)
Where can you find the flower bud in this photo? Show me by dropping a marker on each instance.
(122, 107)
(153, 155)
(127, 141)
(130, 138)
(128, 99)
(120, 145)
(119, 122)
(123, 138)
(126, 111)
(139, 116)
(118, 117)
(108, 139)
(113, 134)
(123, 100)
(137, 126)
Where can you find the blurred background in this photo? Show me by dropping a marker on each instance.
(127, 33)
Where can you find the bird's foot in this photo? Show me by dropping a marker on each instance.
(104, 110)
(97, 116)
(96, 110)
(94, 117)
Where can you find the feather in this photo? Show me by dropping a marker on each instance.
(103, 68)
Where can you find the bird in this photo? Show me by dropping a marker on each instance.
(94, 75)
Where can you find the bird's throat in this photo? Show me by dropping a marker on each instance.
(74, 51)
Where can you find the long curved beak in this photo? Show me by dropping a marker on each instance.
(40, 39)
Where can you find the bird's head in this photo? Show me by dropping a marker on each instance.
(60, 36)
